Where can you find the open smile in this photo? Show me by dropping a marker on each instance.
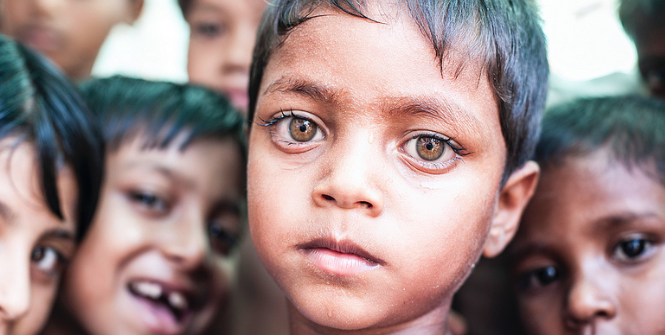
(341, 258)
(164, 309)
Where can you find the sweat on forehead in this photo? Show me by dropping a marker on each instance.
(504, 35)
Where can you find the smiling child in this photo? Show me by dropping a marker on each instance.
(589, 254)
(160, 255)
(51, 160)
(69, 32)
(389, 149)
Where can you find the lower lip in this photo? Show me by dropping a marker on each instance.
(338, 263)
(157, 318)
(239, 99)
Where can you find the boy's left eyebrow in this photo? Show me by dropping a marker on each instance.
(445, 111)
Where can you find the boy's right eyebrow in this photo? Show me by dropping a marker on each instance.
(303, 87)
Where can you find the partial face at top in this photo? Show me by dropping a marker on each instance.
(650, 44)
(589, 254)
(373, 177)
(69, 32)
(157, 259)
(34, 243)
(223, 33)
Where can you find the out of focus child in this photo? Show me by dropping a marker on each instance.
(51, 160)
(644, 21)
(589, 256)
(69, 32)
(223, 33)
(160, 255)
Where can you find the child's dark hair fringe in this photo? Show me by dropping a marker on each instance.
(631, 128)
(504, 34)
(160, 112)
(39, 105)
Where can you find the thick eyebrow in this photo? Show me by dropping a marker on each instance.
(438, 110)
(622, 219)
(6, 213)
(60, 234)
(304, 88)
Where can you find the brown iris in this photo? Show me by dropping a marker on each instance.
(429, 148)
(302, 130)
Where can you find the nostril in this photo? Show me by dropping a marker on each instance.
(327, 197)
(366, 204)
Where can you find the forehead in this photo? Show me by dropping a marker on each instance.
(369, 61)
(585, 196)
(205, 164)
(247, 8)
(22, 193)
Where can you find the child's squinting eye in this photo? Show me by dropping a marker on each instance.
(222, 241)
(208, 29)
(538, 278)
(149, 201)
(46, 259)
(632, 249)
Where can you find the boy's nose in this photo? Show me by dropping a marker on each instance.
(351, 181)
(187, 244)
(14, 286)
(590, 301)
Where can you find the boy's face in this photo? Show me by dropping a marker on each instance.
(222, 38)
(69, 32)
(589, 254)
(34, 243)
(373, 176)
(156, 260)
(650, 45)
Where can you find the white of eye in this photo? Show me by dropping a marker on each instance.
(49, 260)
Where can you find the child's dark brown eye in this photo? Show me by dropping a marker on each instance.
(302, 130)
(538, 278)
(221, 240)
(149, 201)
(430, 148)
(632, 249)
(46, 259)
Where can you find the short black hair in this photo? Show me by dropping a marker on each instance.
(505, 35)
(636, 15)
(184, 6)
(160, 112)
(39, 105)
(632, 128)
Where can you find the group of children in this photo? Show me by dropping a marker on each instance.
(387, 146)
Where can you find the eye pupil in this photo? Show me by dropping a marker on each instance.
(633, 248)
(302, 130)
(38, 254)
(429, 148)
(547, 275)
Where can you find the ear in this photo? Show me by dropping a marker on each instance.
(134, 9)
(513, 198)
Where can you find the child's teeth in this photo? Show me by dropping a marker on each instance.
(150, 290)
(177, 300)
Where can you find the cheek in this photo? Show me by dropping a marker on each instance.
(42, 297)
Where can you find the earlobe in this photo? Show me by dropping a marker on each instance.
(513, 198)
(134, 9)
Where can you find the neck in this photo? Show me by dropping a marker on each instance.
(61, 322)
(434, 322)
